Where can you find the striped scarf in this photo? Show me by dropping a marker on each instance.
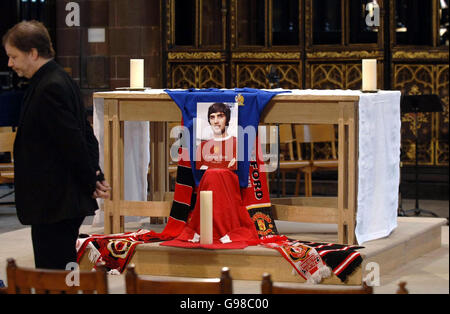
(340, 259)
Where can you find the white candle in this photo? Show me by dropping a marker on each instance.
(136, 73)
(206, 217)
(369, 74)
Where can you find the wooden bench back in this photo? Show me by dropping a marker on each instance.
(139, 284)
(22, 280)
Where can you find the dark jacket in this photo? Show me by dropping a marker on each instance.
(55, 151)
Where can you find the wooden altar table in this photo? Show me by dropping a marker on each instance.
(159, 108)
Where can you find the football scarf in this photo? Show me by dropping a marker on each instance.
(305, 259)
(112, 250)
(342, 259)
(314, 261)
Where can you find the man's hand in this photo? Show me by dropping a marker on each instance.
(102, 189)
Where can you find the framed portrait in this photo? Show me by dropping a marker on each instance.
(216, 135)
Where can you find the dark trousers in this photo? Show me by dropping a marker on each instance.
(54, 244)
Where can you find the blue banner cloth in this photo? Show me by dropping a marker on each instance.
(254, 102)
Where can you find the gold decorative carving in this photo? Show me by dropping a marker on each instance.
(255, 75)
(417, 79)
(233, 15)
(290, 75)
(194, 55)
(196, 76)
(420, 55)
(251, 75)
(328, 76)
(353, 75)
(211, 76)
(267, 55)
(169, 23)
(442, 126)
(183, 76)
(343, 54)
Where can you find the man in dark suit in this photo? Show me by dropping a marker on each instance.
(56, 157)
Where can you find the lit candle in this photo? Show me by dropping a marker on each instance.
(369, 74)
(206, 217)
(136, 73)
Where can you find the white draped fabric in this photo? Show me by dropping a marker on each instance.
(378, 160)
(137, 158)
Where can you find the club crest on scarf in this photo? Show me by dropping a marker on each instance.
(263, 223)
(305, 260)
(119, 248)
(296, 253)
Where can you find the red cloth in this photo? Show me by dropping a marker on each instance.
(232, 225)
(217, 153)
(255, 199)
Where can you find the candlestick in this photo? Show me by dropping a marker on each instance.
(369, 75)
(206, 217)
(136, 73)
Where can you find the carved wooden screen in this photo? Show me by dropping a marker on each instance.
(218, 43)
(339, 33)
(266, 38)
(420, 66)
(316, 44)
(196, 43)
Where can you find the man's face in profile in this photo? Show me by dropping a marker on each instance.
(218, 121)
(19, 61)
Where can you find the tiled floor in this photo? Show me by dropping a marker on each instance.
(426, 274)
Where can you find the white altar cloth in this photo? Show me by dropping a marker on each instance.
(378, 158)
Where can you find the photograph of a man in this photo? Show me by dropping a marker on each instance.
(216, 139)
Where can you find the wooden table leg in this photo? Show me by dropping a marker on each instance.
(347, 177)
(107, 205)
(352, 180)
(342, 237)
(117, 160)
